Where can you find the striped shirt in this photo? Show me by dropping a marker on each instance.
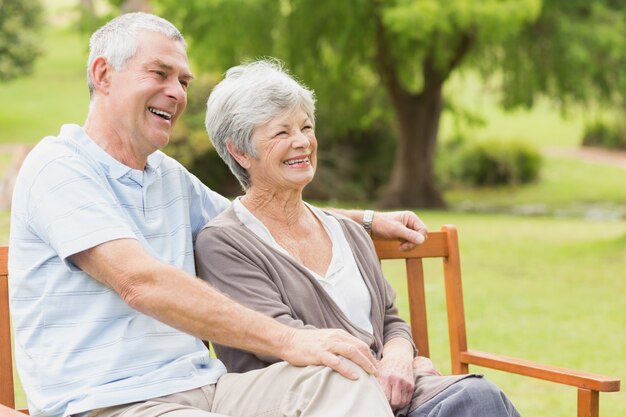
(78, 345)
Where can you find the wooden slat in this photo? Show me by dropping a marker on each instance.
(4, 260)
(435, 246)
(454, 301)
(565, 376)
(7, 395)
(417, 305)
(588, 403)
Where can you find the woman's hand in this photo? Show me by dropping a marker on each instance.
(403, 225)
(424, 366)
(395, 373)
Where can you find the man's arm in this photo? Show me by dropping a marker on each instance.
(187, 303)
(403, 225)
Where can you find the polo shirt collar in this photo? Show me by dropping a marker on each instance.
(116, 169)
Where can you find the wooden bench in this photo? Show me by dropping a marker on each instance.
(444, 245)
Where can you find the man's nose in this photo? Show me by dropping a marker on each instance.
(176, 91)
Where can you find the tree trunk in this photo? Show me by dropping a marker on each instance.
(136, 6)
(412, 181)
(87, 5)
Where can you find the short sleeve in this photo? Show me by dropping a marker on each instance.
(206, 204)
(73, 208)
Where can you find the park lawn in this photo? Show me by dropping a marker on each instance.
(56, 93)
(4, 226)
(548, 123)
(566, 187)
(538, 288)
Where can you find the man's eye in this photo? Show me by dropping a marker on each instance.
(184, 83)
(161, 74)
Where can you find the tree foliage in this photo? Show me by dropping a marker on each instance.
(382, 64)
(574, 51)
(20, 22)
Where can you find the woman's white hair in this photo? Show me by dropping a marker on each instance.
(116, 41)
(251, 95)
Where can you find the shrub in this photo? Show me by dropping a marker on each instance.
(492, 163)
(352, 167)
(605, 135)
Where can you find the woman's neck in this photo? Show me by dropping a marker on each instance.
(286, 208)
(293, 226)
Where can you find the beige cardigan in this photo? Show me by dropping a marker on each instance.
(238, 263)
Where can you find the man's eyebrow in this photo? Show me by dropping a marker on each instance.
(185, 75)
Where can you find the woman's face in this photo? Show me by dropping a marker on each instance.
(286, 152)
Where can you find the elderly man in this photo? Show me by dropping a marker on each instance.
(108, 315)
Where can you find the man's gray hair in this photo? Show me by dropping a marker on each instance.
(116, 41)
(251, 95)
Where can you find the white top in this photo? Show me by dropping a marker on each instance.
(343, 281)
(78, 345)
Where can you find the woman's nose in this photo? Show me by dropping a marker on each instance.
(301, 140)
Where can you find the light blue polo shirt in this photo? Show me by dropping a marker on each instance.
(78, 345)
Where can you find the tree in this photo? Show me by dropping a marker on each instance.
(350, 51)
(19, 41)
(575, 52)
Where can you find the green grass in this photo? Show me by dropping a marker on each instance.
(543, 289)
(4, 227)
(566, 186)
(545, 124)
(56, 93)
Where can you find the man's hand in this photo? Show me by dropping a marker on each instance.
(334, 348)
(403, 225)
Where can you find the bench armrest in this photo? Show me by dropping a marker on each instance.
(545, 372)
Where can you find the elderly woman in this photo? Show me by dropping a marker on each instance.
(302, 265)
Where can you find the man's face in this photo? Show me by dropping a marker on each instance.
(148, 96)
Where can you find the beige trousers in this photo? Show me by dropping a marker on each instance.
(280, 390)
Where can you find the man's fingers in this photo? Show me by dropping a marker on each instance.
(334, 348)
(360, 355)
(341, 365)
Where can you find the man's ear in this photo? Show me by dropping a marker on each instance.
(240, 157)
(100, 72)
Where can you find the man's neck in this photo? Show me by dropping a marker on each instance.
(112, 142)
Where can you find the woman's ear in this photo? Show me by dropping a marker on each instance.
(241, 158)
(100, 72)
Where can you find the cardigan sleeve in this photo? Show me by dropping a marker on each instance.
(235, 268)
(392, 324)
